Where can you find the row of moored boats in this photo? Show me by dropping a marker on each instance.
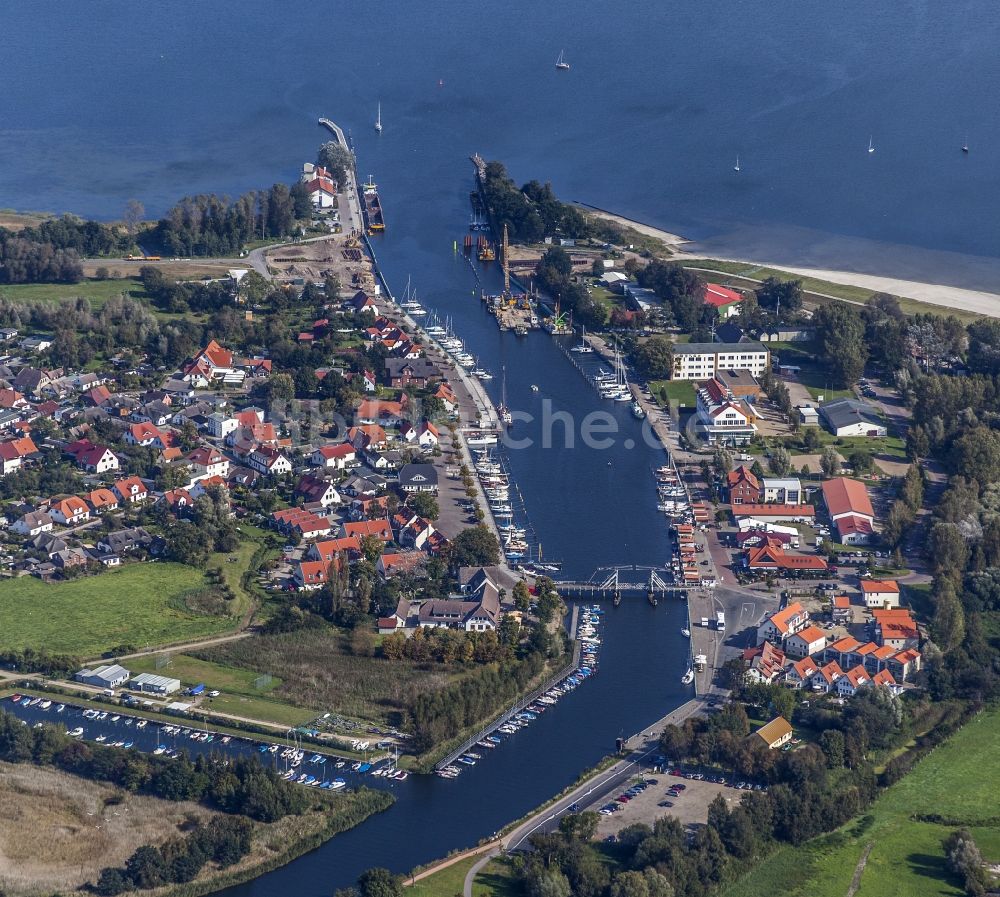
(590, 642)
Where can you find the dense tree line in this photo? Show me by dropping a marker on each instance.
(223, 840)
(682, 293)
(87, 238)
(207, 224)
(34, 660)
(241, 786)
(532, 212)
(452, 647)
(25, 261)
(441, 715)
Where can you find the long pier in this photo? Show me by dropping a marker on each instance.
(518, 707)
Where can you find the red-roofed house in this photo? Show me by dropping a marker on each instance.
(806, 642)
(131, 489)
(207, 462)
(13, 453)
(305, 523)
(326, 549)
(850, 510)
(322, 193)
(783, 623)
(336, 456)
(316, 490)
(825, 678)
(743, 486)
(766, 662)
(880, 592)
(70, 511)
(724, 419)
(11, 398)
(101, 500)
(725, 301)
(380, 528)
(773, 557)
(211, 363)
(800, 672)
(847, 684)
(91, 457)
(310, 575)
(400, 562)
(145, 434)
(268, 460)
(896, 628)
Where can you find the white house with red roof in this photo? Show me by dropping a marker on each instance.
(266, 459)
(207, 462)
(69, 511)
(806, 642)
(722, 418)
(131, 489)
(337, 457)
(144, 434)
(880, 592)
(322, 192)
(783, 623)
(13, 453)
(725, 301)
(210, 364)
(91, 457)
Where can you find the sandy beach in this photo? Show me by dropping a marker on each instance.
(975, 301)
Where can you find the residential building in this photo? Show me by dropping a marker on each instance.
(326, 549)
(782, 491)
(15, 452)
(302, 522)
(32, 523)
(102, 500)
(741, 383)
(743, 486)
(361, 528)
(92, 458)
(131, 489)
(418, 478)
(880, 592)
(825, 678)
(403, 372)
(840, 609)
(266, 459)
(783, 623)
(850, 417)
(725, 301)
(896, 628)
(800, 672)
(848, 683)
(208, 462)
(699, 361)
(70, 511)
(766, 662)
(316, 490)
(220, 425)
(212, 363)
(338, 457)
(775, 733)
(310, 575)
(773, 557)
(393, 563)
(850, 510)
(806, 642)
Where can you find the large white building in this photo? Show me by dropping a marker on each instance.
(702, 361)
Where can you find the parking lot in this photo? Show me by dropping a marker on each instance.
(689, 805)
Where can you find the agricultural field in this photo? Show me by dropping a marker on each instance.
(956, 781)
(140, 604)
(318, 670)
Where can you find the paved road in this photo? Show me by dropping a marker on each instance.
(596, 789)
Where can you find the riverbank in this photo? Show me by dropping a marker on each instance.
(943, 296)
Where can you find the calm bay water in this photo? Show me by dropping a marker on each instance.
(115, 100)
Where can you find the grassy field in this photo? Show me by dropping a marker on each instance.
(140, 604)
(496, 879)
(445, 883)
(746, 275)
(318, 671)
(96, 291)
(956, 781)
(240, 694)
(677, 391)
(83, 825)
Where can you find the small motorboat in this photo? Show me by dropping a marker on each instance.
(688, 677)
(686, 633)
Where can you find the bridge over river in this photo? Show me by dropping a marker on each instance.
(614, 583)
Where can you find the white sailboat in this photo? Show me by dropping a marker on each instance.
(871, 145)
(561, 62)
(965, 146)
(736, 167)
(378, 118)
(505, 413)
(584, 347)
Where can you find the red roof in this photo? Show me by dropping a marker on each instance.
(844, 496)
(774, 510)
(810, 634)
(719, 296)
(879, 585)
(380, 528)
(13, 449)
(321, 184)
(344, 450)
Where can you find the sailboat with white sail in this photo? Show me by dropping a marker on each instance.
(506, 417)
(561, 62)
(378, 118)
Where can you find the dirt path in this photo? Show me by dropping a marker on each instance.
(184, 646)
(859, 871)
